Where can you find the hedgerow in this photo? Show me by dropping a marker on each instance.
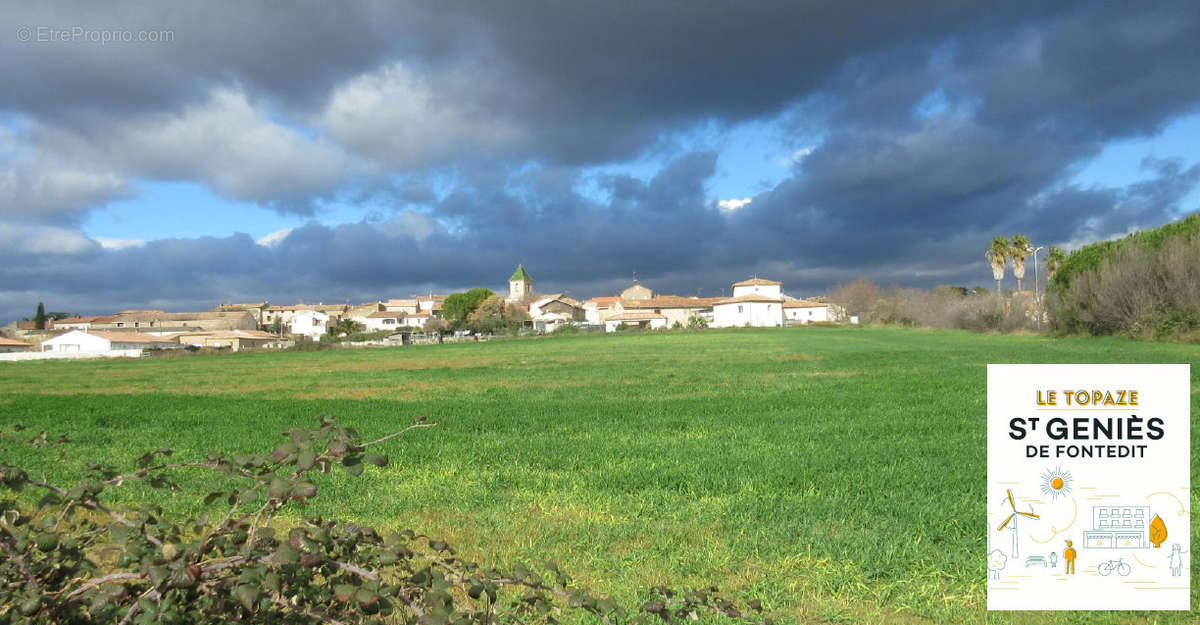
(72, 556)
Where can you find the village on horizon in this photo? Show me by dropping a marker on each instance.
(755, 302)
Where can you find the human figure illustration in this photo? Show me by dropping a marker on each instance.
(1069, 557)
(1054, 559)
(1176, 560)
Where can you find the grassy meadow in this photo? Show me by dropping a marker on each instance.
(836, 473)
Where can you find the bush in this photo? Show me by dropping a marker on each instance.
(1091, 258)
(978, 310)
(1141, 291)
(358, 337)
(73, 557)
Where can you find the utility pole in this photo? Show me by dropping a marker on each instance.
(1037, 298)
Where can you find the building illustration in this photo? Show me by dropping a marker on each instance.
(1118, 527)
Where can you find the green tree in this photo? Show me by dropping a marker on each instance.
(457, 308)
(39, 319)
(1054, 260)
(997, 253)
(1021, 248)
(494, 314)
(346, 326)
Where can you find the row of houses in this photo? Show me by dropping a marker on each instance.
(756, 302)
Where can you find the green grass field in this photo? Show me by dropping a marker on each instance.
(838, 474)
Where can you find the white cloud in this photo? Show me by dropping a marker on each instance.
(801, 154)
(35, 239)
(118, 244)
(226, 142)
(402, 119)
(37, 180)
(235, 147)
(275, 238)
(733, 204)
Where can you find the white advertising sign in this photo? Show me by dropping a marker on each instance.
(1088, 487)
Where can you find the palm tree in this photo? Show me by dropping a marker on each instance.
(997, 254)
(1020, 250)
(1054, 260)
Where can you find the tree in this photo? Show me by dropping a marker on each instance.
(1054, 260)
(1021, 249)
(1158, 531)
(997, 254)
(858, 298)
(39, 319)
(496, 314)
(457, 308)
(346, 326)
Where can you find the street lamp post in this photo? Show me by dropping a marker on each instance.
(1037, 298)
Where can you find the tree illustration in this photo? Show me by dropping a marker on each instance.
(1158, 531)
(997, 560)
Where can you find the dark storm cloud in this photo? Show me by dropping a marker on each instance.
(939, 127)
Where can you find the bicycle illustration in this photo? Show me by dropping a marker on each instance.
(1118, 565)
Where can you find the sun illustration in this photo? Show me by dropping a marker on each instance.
(1056, 482)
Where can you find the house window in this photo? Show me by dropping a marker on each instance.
(120, 324)
(739, 308)
(136, 324)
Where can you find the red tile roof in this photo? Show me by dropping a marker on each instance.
(751, 297)
(131, 337)
(757, 282)
(670, 301)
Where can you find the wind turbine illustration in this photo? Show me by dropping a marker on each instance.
(1012, 518)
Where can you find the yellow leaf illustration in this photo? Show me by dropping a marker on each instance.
(1158, 531)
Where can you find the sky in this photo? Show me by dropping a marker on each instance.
(179, 155)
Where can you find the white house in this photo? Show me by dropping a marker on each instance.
(805, 312)
(758, 286)
(756, 302)
(384, 320)
(430, 303)
(642, 319)
(417, 320)
(310, 323)
(598, 309)
(564, 307)
(402, 305)
(98, 342)
(758, 311)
